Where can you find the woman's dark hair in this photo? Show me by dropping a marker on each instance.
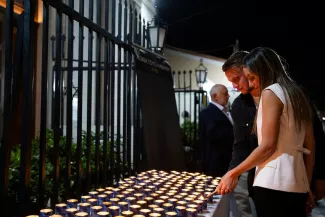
(270, 68)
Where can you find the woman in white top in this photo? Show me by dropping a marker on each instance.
(284, 159)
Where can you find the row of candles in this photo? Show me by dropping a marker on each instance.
(150, 194)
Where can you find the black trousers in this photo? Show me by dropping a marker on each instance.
(272, 203)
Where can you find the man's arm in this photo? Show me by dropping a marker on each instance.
(242, 131)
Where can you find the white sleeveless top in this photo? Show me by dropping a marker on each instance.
(285, 169)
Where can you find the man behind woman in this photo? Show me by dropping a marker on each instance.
(283, 125)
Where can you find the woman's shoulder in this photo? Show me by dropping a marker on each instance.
(277, 90)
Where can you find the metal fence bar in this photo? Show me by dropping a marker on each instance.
(106, 97)
(98, 94)
(69, 104)
(80, 99)
(129, 96)
(136, 147)
(57, 107)
(44, 107)
(5, 144)
(86, 22)
(112, 96)
(89, 97)
(118, 106)
(125, 102)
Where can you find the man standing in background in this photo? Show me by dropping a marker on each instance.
(216, 133)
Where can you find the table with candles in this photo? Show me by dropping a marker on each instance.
(149, 194)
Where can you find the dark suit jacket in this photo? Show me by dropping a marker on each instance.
(216, 139)
(243, 114)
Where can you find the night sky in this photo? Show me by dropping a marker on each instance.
(291, 29)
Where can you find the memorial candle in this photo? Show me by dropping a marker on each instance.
(46, 212)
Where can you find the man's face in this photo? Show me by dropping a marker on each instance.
(238, 80)
(223, 97)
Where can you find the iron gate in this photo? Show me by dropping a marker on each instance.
(189, 104)
(90, 122)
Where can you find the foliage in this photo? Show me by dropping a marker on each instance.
(189, 132)
(49, 166)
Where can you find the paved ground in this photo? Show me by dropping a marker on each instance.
(319, 210)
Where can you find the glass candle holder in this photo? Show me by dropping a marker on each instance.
(188, 200)
(95, 209)
(102, 198)
(199, 204)
(127, 213)
(168, 207)
(147, 191)
(154, 195)
(109, 188)
(114, 210)
(142, 203)
(180, 210)
(103, 214)
(154, 214)
(85, 198)
(93, 194)
(123, 188)
(114, 201)
(72, 203)
(46, 212)
(171, 214)
(194, 197)
(193, 206)
(106, 204)
(82, 214)
(138, 215)
(100, 190)
(152, 206)
(135, 208)
(71, 212)
(139, 196)
(149, 200)
(126, 194)
(131, 200)
(84, 207)
(170, 194)
(131, 183)
(159, 202)
(93, 202)
(159, 210)
(152, 187)
(131, 190)
(184, 194)
(123, 206)
(163, 197)
(116, 191)
(121, 197)
(191, 212)
(60, 209)
(181, 203)
(172, 201)
(110, 194)
(178, 197)
(145, 212)
(164, 190)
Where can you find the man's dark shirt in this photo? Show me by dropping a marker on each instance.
(243, 114)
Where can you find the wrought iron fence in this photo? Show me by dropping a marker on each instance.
(90, 120)
(189, 102)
